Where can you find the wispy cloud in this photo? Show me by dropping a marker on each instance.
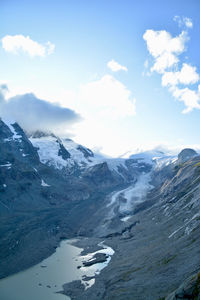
(17, 44)
(183, 21)
(115, 66)
(33, 113)
(166, 51)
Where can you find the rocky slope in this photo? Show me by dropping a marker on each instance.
(159, 246)
(189, 289)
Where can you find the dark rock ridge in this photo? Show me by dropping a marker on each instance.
(63, 152)
(39, 134)
(86, 152)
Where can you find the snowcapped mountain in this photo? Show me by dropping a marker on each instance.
(155, 157)
(64, 154)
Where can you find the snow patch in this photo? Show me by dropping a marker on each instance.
(8, 165)
(154, 157)
(48, 150)
(10, 124)
(95, 269)
(43, 183)
(124, 219)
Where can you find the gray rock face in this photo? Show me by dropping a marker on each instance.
(86, 152)
(63, 152)
(190, 289)
(101, 175)
(186, 154)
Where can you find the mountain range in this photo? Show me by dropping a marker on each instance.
(146, 207)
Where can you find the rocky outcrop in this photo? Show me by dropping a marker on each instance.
(86, 152)
(100, 175)
(186, 154)
(63, 152)
(188, 290)
(97, 258)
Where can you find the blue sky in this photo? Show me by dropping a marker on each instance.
(141, 105)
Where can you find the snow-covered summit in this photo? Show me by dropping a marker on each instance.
(65, 153)
(62, 152)
(155, 157)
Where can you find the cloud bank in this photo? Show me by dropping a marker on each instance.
(175, 75)
(36, 114)
(115, 66)
(17, 44)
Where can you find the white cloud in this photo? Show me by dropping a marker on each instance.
(188, 22)
(115, 66)
(164, 61)
(19, 43)
(187, 75)
(183, 21)
(107, 96)
(170, 78)
(102, 103)
(190, 98)
(164, 48)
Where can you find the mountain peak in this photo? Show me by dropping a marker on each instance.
(40, 134)
(186, 154)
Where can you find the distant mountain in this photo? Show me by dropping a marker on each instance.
(66, 155)
(186, 154)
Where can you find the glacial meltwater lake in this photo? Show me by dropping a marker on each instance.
(43, 280)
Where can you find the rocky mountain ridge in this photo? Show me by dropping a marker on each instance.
(147, 209)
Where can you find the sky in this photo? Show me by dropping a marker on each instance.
(115, 76)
